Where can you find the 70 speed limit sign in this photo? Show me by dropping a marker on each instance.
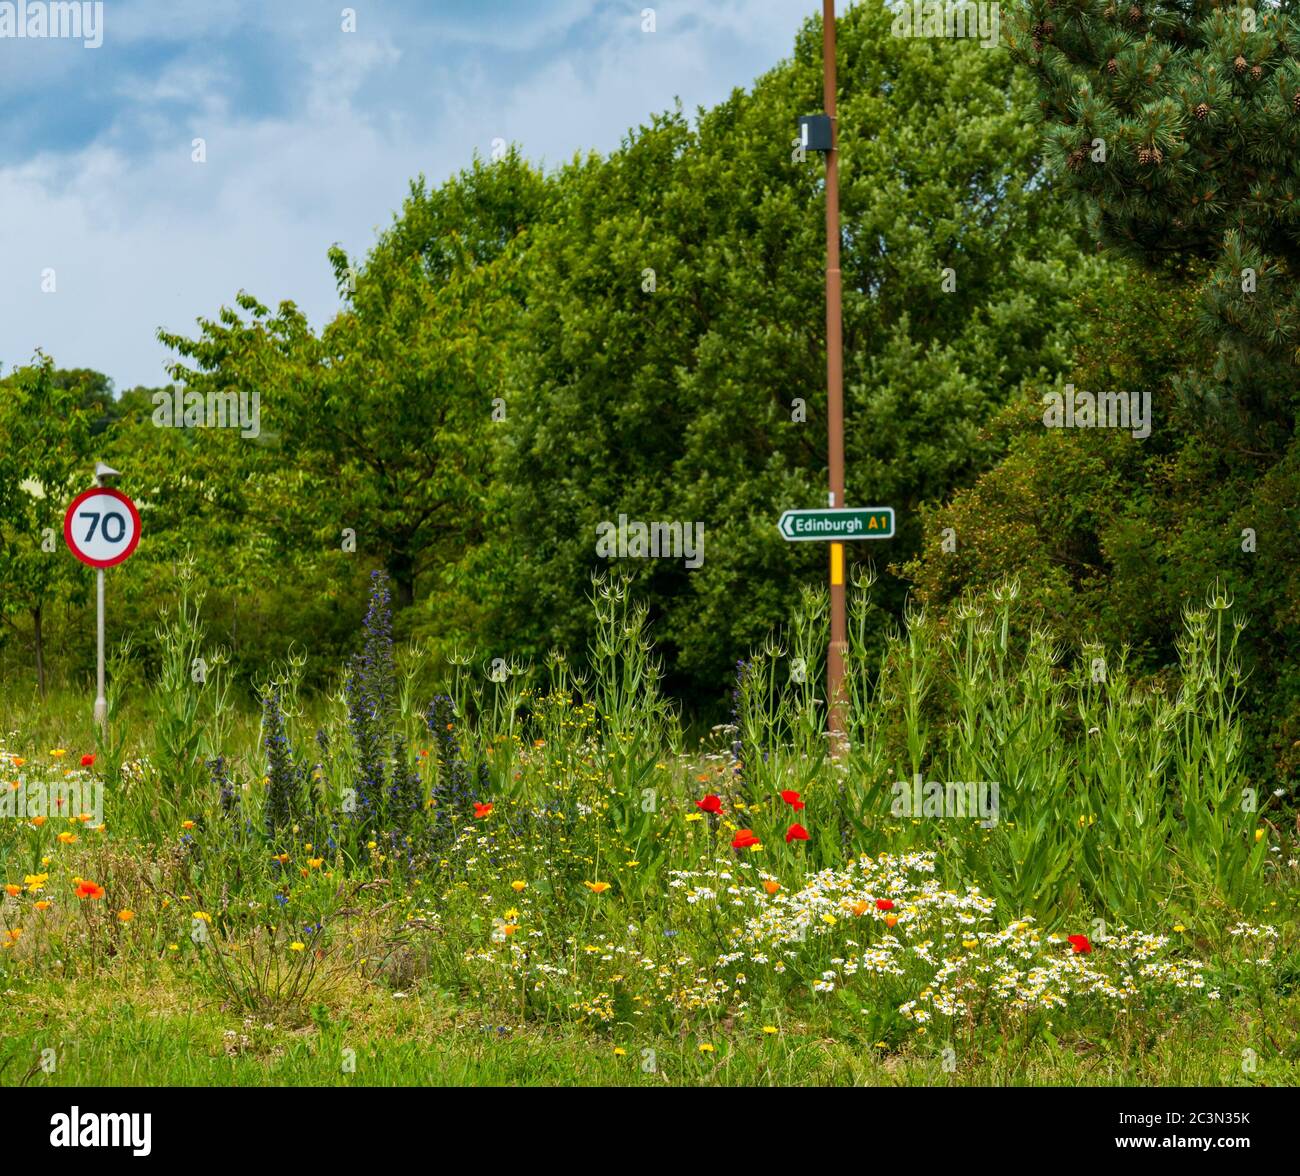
(102, 527)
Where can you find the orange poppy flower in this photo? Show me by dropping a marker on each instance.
(87, 889)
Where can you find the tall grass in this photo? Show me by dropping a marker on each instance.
(1119, 800)
(1114, 794)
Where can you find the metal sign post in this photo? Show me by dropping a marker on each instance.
(102, 529)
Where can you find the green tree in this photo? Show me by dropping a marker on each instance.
(670, 362)
(47, 459)
(1176, 126)
(378, 426)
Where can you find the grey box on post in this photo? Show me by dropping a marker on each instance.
(815, 132)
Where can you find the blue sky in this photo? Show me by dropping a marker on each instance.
(312, 135)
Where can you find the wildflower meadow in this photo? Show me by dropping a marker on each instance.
(432, 875)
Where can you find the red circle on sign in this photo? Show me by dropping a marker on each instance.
(107, 492)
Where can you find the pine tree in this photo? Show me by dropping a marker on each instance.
(1177, 125)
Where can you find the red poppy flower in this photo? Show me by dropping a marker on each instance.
(884, 904)
(744, 839)
(792, 799)
(796, 833)
(89, 890)
(87, 760)
(710, 804)
(1080, 944)
(481, 810)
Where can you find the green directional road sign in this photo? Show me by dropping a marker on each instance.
(838, 526)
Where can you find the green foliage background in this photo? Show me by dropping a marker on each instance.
(522, 355)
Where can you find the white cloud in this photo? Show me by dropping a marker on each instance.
(160, 241)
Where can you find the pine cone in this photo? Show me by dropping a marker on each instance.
(1202, 111)
(1112, 67)
(1144, 155)
(1256, 72)
(1239, 63)
(1134, 14)
(1074, 161)
(1295, 102)
(1157, 156)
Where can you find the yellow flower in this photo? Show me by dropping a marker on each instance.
(970, 944)
(67, 838)
(43, 905)
(315, 863)
(517, 886)
(695, 816)
(512, 914)
(620, 1052)
(282, 858)
(59, 752)
(829, 920)
(705, 1047)
(1259, 834)
(1179, 928)
(207, 918)
(510, 928)
(187, 825)
(125, 916)
(770, 1029)
(295, 946)
(597, 887)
